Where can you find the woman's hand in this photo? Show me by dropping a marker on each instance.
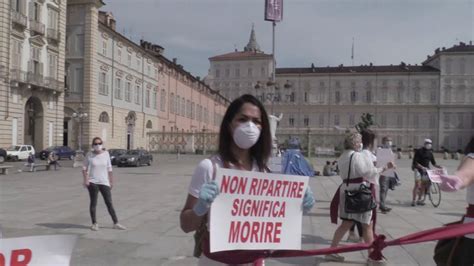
(391, 165)
(450, 183)
(207, 194)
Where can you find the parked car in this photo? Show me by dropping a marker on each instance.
(115, 153)
(135, 158)
(59, 151)
(3, 155)
(19, 152)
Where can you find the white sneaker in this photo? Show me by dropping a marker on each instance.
(119, 227)
(95, 227)
(371, 262)
(334, 257)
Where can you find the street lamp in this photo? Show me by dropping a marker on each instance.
(80, 116)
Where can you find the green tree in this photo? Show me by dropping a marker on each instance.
(367, 121)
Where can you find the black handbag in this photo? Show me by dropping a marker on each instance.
(359, 200)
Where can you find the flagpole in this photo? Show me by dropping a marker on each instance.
(352, 54)
(274, 63)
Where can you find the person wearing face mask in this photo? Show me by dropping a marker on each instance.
(356, 168)
(384, 180)
(245, 143)
(97, 173)
(421, 163)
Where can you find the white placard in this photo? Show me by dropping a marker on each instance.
(434, 174)
(37, 250)
(385, 156)
(257, 211)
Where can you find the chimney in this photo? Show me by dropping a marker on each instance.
(370, 64)
(175, 60)
(470, 42)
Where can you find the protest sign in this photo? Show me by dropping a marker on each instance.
(434, 174)
(385, 156)
(257, 210)
(37, 250)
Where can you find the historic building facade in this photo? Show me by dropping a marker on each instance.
(410, 102)
(128, 90)
(32, 50)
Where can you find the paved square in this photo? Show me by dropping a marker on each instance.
(148, 201)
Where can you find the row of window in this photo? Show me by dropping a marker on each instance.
(458, 120)
(236, 73)
(186, 108)
(35, 64)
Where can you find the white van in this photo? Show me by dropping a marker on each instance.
(20, 152)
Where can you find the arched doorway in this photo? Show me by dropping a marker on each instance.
(33, 129)
(130, 122)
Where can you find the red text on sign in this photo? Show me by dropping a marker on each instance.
(254, 232)
(19, 257)
(258, 208)
(233, 184)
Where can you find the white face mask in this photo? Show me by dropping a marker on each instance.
(97, 147)
(389, 144)
(428, 146)
(246, 135)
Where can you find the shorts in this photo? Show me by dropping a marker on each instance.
(423, 178)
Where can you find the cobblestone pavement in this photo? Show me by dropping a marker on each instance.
(148, 200)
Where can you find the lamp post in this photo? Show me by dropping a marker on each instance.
(80, 116)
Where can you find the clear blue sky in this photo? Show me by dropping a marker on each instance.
(312, 31)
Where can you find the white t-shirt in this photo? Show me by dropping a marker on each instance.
(98, 167)
(203, 173)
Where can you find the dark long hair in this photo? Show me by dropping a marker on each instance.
(470, 146)
(262, 149)
(368, 137)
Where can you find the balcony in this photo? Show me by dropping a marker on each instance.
(19, 19)
(53, 34)
(53, 84)
(35, 79)
(17, 75)
(37, 27)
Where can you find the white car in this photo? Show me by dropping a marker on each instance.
(20, 152)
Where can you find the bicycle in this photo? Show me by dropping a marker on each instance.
(434, 194)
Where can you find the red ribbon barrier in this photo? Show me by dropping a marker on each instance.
(379, 243)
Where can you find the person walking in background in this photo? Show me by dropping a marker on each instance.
(421, 163)
(356, 169)
(31, 162)
(97, 173)
(52, 160)
(384, 180)
(463, 178)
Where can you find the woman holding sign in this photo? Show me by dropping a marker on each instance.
(356, 169)
(245, 144)
(463, 178)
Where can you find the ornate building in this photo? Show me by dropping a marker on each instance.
(128, 90)
(32, 48)
(410, 102)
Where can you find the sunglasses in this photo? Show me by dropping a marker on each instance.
(98, 143)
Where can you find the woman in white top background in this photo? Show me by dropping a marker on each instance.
(97, 173)
(464, 178)
(362, 166)
(244, 143)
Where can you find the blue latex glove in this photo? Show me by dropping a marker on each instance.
(207, 194)
(308, 200)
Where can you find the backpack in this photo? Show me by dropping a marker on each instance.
(202, 241)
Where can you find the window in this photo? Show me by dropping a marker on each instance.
(35, 65)
(291, 121)
(78, 80)
(383, 120)
(321, 120)
(433, 95)
(163, 100)
(218, 73)
(119, 55)
(400, 95)
(368, 96)
(139, 63)
(206, 116)
(262, 72)
(351, 119)
(400, 120)
(338, 97)
(171, 107)
(178, 105)
(18, 6)
(462, 66)
(155, 95)
(137, 94)
(353, 96)
(128, 92)
(188, 108)
(448, 66)
(148, 70)
(149, 125)
(104, 117)
(237, 73)
(52, 65)
(306, 121)
(460, 120)
(147, 98)
(227, 72)
(16, 54)
(35, 11)
(118, 88)
(249, 72)
(432, 121)
(183, 107)
(192, 110)
(104, 47)
(103, 84)
(447, 94)
(129, 60)
(53, 16)
(306, 97)
(416, 93)
(447, 119)
(415, 121)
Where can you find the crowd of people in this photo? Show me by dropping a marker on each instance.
(245, 143)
